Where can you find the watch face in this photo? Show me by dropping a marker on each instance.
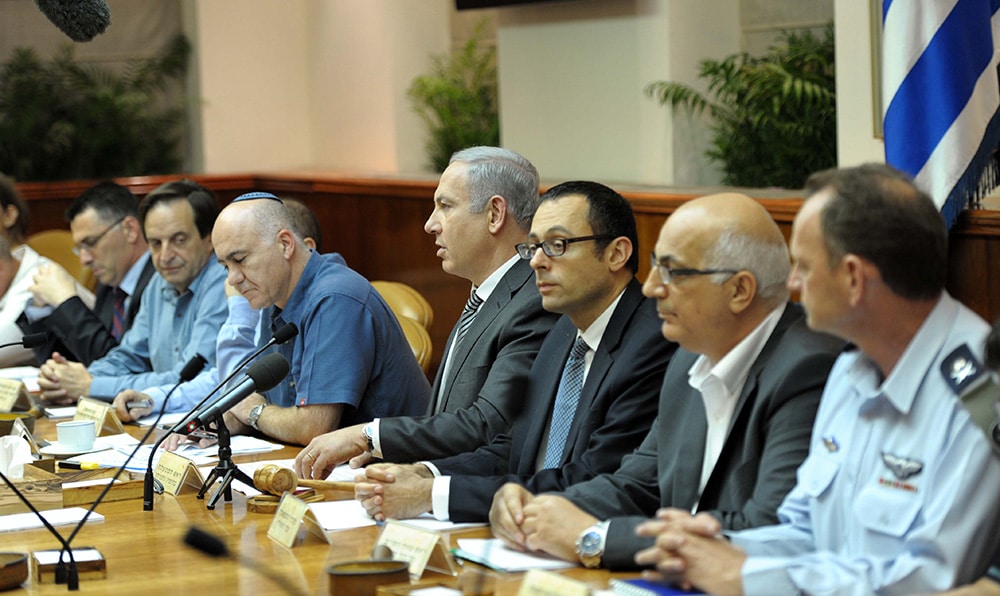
(590, 543)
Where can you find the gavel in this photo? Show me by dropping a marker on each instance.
(276, 480)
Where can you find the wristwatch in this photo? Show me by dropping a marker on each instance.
(590, 544)
(369, 434)
(254, 415)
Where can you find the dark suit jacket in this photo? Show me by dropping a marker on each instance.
(81, 334)
(617, 406)
(767, 440)
(485, 388)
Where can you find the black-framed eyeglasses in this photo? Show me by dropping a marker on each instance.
(667, 273)
(88, 244)
(555, 247)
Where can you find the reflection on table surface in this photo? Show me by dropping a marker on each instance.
(144, 549)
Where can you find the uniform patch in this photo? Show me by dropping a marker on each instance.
(961, 369)
(902, 467)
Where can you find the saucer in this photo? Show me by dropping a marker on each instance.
(57, 450)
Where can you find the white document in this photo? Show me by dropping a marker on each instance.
(57, 517)
(26, 374)
(492, 553)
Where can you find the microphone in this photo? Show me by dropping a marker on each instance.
(280, 336)
(32, 340)
(212, 546)
(72, 579)
(81, 20)
(261, 376)
(188, 372)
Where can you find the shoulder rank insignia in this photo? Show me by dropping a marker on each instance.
(901, 467)
(961, 369)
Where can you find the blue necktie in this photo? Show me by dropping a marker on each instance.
(567, 399)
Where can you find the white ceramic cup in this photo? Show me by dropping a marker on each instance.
(76, 435)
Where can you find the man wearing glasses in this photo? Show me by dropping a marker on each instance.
(737, 403)
(108, 239)
(591, 393)
(182, 308)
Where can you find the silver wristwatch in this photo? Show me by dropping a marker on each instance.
(590, 544)
(254, 415)
(369, 434)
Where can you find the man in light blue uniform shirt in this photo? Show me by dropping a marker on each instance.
(182, 307)
(898, 494)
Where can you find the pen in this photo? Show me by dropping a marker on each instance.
(75, 465)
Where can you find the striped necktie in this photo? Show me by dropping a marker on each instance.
(468, 316)
(118, 314)
(567, 399)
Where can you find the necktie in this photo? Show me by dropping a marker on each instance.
(468, 315)
(567, 399)
(118, 314)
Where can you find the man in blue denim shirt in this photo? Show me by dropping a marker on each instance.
(182, 307)
(350, 361)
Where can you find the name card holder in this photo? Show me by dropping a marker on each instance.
(538, 582)
(14, 396)
(288, 519)
(18, 429)
(422, 549)
(101, 413)
(175, 472)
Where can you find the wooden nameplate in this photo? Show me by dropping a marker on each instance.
(123, 490)
(42, 488)
(102, 414)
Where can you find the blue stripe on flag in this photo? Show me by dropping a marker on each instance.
(924, 107)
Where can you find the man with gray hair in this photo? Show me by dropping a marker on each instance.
(736, 406)
(483, 206)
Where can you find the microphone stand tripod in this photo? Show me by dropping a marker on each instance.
(225, 469)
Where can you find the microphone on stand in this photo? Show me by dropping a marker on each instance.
(280, 336)
(190, 371)
(212, 546)
(261, 376)
(32, 340)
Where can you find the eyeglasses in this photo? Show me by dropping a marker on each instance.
(89, 244)
(555, 247)
(666, 273)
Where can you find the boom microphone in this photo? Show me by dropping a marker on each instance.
(81, 20)
(261, 376)
(212, 546)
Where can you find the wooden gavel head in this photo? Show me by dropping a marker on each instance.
(275, 480)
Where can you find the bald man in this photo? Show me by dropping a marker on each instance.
(350, 361)
(747, 358)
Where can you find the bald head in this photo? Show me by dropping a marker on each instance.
(733, 231)
(253, 240)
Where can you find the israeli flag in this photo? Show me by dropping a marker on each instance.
(941, 93)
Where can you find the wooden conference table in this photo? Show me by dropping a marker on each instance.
(145, 553)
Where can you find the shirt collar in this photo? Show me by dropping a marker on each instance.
(593, 334)
(734, 367)
(900, 388)
(131, 278)
(485, 289)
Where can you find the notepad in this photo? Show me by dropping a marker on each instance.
(57, 517)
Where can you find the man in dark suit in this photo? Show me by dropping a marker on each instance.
(109, 240)
(582, 248)
(737, 403)
(482, 207)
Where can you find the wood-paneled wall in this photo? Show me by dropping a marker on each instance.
(376, 223)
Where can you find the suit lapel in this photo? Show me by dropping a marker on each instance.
(501, 296)
(604, 358)
(542, 388)
(749, 393)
